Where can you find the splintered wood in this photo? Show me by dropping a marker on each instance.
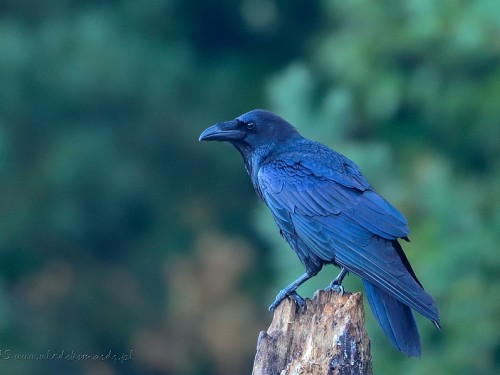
(329, 338)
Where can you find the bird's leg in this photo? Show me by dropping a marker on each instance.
(337, 283)
(290, 290)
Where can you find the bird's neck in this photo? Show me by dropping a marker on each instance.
(255, 157)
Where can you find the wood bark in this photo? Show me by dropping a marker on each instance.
(329, 338)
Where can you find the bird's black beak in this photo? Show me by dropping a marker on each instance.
(223, 131)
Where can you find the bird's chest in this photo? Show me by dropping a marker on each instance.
(258, 189)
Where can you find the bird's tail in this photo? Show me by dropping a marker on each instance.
(395, 318)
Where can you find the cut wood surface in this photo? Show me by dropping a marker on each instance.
(329, 338)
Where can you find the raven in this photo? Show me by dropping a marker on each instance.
(329, 214)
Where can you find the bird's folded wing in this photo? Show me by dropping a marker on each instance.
(351, 227)
(302, 190)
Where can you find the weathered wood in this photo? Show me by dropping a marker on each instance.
(329, 338)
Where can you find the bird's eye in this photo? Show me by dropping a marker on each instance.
(250, 125)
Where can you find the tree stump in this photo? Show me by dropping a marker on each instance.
(329, 338)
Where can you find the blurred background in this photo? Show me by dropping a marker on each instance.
(124, 238)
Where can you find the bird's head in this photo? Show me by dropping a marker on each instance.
(252, 130)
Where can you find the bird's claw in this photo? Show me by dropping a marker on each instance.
(336, 287)
(299, 301)
(336, 284)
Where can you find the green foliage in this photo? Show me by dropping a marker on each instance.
(121, 232)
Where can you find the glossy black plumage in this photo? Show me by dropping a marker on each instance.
(329, 214)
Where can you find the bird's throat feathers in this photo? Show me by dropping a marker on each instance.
(254, 157)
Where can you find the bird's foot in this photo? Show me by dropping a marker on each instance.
(336, 284)
(299, 301)
(336, 287)
(290, 290)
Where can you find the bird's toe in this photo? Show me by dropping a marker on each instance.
(336, 287)
(299, 301)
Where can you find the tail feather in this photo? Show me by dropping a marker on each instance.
(395, 318)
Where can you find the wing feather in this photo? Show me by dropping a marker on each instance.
(300, 191)
(346, 223)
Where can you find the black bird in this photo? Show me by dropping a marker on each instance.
(329, 214)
